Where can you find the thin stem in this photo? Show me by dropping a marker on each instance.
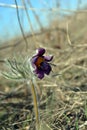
(21, 25)
(35, 105)
(29, 21)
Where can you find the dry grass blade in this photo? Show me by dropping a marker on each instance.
(21, 25)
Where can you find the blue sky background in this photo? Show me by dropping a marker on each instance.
(9, 26)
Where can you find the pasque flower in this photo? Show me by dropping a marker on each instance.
(40, 63)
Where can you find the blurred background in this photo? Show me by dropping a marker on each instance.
(43, 14)
(59, 26)
(35, 23)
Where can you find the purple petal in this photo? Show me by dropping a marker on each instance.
(33, 61)
(40, 51)
(46, 68)
(39, 73)
(48, 58)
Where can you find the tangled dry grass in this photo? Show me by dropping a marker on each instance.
(63, 95)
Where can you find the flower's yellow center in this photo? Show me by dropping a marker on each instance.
(39, 61)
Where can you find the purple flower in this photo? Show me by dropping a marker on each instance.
(41, 64)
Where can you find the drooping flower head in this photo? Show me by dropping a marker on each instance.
(40, 63)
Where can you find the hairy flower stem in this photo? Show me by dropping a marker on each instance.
(35, 105)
